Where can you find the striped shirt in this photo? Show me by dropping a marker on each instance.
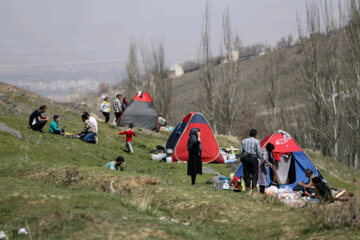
(250, 146)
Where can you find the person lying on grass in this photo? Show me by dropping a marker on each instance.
(118, 164)
(54, 126)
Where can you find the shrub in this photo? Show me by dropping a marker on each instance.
(332, 216)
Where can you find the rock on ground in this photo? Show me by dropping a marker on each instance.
(209, 170)
(214, 179)
(5, 128)
(5, 99)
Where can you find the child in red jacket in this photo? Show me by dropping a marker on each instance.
(129, 133)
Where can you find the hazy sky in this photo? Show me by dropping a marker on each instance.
(96, 30)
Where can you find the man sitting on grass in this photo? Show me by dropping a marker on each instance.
(118, 164)
(36, 121)
(88, 134)
(309, 187)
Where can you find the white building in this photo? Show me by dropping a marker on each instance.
(177, 70)
(233, 57)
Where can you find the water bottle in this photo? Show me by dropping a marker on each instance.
(243, 186)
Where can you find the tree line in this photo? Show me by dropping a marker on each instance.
(328, 67)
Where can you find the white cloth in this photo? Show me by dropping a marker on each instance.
(105, 107)
(162, 121)
(282, 169)
(94, 122)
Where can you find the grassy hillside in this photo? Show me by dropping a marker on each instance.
(58, 189)
(187, 87)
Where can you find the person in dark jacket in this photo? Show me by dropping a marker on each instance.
(36, 120)
(194, 148)
(322, 191)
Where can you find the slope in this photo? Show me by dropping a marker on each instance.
(187, 87)
(58, 189)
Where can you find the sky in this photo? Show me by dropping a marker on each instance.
(43, 31)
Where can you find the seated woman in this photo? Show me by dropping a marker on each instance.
(54, 126)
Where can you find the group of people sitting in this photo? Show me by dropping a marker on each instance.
(88, 134)
(118, 106)
(255, 166)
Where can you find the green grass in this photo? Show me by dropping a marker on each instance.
(152, 200)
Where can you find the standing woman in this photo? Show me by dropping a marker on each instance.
(124, 104)
(194, 148)
(263, 169)
(105, 109)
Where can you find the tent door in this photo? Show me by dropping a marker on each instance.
(285, 169)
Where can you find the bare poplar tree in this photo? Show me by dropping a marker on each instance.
(133, 81)
(155, 78)
(272, 88)
(207, 78)
(321, 67)
(162, 84)
(352, 33)
(228, 100)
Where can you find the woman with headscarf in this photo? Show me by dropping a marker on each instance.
(124, 104)
(105, 109)
(263, 169)
(194, 148)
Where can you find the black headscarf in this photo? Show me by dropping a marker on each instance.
(193, 137)
(270, 147)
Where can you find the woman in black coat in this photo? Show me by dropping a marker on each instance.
(194, 148)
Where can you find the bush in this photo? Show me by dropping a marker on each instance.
(332, 216)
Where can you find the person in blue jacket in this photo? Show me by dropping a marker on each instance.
(54, 126)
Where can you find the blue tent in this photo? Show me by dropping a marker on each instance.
(298, 163)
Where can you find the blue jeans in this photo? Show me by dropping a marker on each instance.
(301, 188)
(88, 137)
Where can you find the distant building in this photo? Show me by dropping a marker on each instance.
(234, 56)
(176, 70)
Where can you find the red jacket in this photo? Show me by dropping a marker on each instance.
(129, 133)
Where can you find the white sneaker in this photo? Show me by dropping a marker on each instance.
(96, 140)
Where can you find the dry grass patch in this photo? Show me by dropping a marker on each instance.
(329, 216)
(65, 175)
